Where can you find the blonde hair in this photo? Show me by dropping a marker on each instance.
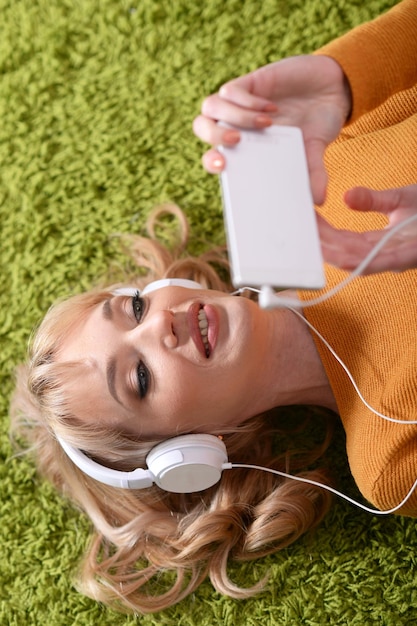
(139, 535)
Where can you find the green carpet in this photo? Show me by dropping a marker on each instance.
(96, 103)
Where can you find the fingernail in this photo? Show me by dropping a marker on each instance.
(231, 136)
(262, 121)
(270, 108)
(217, 163)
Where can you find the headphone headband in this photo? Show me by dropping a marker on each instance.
(159, 284)
(171, 282)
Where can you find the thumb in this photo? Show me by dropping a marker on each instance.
(365, 199)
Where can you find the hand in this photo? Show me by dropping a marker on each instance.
(347, 249)
(306, 91)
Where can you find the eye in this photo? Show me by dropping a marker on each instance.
(143, 379)
(138, 306)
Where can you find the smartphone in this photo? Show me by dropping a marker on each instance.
(269, 214)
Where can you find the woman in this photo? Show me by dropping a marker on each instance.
(114, 374)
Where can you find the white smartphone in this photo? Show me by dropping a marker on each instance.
(269, 213)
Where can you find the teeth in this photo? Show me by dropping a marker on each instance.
(203, 325)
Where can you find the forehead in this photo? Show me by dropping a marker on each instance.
(87, 350)
(88, 398)
(87, 326)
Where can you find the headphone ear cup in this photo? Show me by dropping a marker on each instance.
(187, 464)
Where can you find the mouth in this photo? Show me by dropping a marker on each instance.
(203, 325)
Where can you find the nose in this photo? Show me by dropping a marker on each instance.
(158, 326)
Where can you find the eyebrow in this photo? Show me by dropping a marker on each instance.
(107, 312)
(111, 379)
(107, 309)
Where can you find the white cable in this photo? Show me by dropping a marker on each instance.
(283, 302)
(339, 360)
(323, 486)
(268, 299)
(273, 300)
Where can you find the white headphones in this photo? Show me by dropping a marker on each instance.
(185, 464)
(159, 284)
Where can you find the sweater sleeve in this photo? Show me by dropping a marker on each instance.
(379, 58)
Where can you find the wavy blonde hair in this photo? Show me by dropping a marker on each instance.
(140, 535)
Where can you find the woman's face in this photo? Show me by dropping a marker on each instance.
(175, 361)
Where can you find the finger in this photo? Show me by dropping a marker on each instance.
(393, 260)
(213, 161)
(403, 257)
(342, 248)
(209, 131)
(346, 250)
(346, 258)
(239, 92)
(364, 199)
(398, 258)
(217, 108)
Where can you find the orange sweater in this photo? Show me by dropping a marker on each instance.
(372, 324)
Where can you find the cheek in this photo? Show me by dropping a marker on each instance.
(185, 404)
(180, 399)
(206, 403)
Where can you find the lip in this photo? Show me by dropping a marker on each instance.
(194, 329)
